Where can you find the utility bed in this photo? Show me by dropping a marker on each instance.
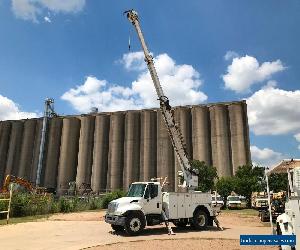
(182, 205)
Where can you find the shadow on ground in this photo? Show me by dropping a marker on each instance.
(163, 230)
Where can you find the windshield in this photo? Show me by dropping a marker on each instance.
(136, 190)
(233, 198)
(219, 198)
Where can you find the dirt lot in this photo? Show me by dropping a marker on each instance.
(87, 230)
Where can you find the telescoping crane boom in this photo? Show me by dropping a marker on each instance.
(190, 175)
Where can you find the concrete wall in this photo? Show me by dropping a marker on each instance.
(110, 150)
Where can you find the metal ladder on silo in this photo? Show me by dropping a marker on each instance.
(7, 212)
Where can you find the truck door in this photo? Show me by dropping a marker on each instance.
(153, 199)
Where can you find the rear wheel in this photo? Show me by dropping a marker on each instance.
(117, 228)
(134, 223)
(181, 223)
(263, 216)
(200, 220)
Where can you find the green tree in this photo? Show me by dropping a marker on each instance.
(249, 179)
(225, 185)
(207, 175)
(278, 182)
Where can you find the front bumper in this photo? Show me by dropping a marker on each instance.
(114, 219)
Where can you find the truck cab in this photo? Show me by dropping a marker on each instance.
(129, 212)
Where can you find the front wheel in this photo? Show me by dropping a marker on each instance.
(117, 228)
(134, 223)
(200, 220)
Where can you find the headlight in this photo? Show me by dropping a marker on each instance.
(112, 206)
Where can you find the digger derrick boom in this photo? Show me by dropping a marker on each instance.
(190, 175)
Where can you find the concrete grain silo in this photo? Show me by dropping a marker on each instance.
(52, 152)
(148, 148)
(100, 153)
(68, 153)
(131, 148)
(183, 119)
(165, 153)
(239, 136)
(111, 150)
(26, 154)
(14, 149)
(5, 128)
(220, 140)
(116, 151)
(85, 154)
(201, 134)
(36, 149)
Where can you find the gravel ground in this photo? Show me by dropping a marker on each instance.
(190, 244)
(87, 230)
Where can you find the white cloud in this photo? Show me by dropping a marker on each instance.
(98, 93)
(47, 19)
(134, 61)
(230, 55)
(273, 111)
(11, 111)
(246, 71)
(181, 84)
(297, 137)
(265, 157)
(31, 9)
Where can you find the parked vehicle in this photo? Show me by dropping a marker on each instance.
(217, 200)
(259, 200)
(236, 202)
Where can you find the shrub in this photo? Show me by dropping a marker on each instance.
(29, 204)
(112, 196)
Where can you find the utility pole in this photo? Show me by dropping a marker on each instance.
(269, 199)
(48, 113)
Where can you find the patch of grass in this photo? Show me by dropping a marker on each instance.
(24, 219)
(243, 212)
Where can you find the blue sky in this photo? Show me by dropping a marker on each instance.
(76, 52)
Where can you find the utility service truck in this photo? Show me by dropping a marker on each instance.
(146, 203)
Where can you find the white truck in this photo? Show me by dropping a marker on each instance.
(217, 200)
(146, 203)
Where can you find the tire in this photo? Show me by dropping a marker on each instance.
(200, 220)
(134, 223)
(117, 228)
(181, 223)
(263, 216)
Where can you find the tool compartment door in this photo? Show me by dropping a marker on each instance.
(180, 205)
